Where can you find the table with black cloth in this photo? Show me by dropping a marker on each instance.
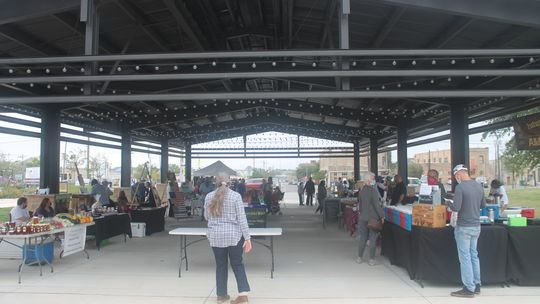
(430, 254)
(108, 226)
(153, 217)
(523, 260)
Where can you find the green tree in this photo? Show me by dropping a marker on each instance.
(517, 161)
(415, 170)
(174, 168)
(262, 173)
(138, 172)
(310, 169)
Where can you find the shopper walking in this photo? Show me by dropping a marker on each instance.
(369, 210)
(321, 196)
(310, 190)
(228, 235)
(301, 193)
(468, 200)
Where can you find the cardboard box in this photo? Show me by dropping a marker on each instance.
(138, 229)
(433, 216)
(517, 222)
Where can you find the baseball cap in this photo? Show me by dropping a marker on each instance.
(459, 168)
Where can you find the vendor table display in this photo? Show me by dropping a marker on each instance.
(523, 259)
(184, 232)
(35, 240)
(153, 217)
(108, 226)
(431, 253)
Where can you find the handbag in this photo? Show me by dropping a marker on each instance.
(374, 224)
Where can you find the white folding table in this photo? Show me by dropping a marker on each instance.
(184, 232)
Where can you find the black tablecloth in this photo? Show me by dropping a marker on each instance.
(523, 255)
(154, 219)
(431, 253)
(109, 226)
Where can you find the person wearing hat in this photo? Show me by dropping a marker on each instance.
(497, 191)
(468, 200)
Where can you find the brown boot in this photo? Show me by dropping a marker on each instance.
(223, 299)
(240, 300)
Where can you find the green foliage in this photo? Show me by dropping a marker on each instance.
(310, 169)
(262, 173)
(174, 168)
(14, 191)
(517, 161)
(138, 171)
(415, 170)
(4, 214)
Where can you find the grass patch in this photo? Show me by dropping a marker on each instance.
(4, 214)
(525, 197)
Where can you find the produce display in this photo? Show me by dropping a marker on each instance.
(38, 225)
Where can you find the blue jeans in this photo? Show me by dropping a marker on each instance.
(466, 241)
(234, 254)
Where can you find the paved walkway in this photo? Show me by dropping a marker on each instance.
(313, 265)
(8, 202)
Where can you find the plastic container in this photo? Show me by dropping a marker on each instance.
(527, 212)
(517, 222)
(138, 229)
(39, 252)
(495, 208)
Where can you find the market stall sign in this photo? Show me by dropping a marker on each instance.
(527, 131)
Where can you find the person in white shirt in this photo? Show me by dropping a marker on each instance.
(20, 214)
(497, 190)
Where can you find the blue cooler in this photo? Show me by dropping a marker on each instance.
(494, 207)
(45, 251)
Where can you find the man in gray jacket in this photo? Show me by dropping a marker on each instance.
(468, 200)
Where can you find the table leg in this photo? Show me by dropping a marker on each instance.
(22, 261)
(272, 252)
(181, 256)
(185, 251)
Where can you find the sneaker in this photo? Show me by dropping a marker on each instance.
(359, 260)
(240, 300)
(477, 289)
(223, 299)
(463, 293)
(372, 262)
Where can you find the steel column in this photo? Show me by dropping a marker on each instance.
(50, 150)
(188, 161)
(164, 160)
(459, 137)
(374, 156)
(345, 10)
(402, 150)
(125, 169)
(89, 15)
(356, 161)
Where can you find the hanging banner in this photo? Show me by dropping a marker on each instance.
(527, 131)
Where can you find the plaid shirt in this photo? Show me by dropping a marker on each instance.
(226, 230)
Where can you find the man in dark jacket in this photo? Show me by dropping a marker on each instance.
(309, 188)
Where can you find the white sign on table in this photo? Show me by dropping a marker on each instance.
(74, 239)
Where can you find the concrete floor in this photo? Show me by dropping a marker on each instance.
(313, 265)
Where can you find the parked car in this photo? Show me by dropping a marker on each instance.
(414, 182)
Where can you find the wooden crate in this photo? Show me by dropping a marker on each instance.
(433, 216)
(162, 193)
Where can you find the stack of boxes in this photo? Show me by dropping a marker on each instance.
(432, 216)
(399, 215)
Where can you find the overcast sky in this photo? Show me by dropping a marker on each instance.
(17, 147)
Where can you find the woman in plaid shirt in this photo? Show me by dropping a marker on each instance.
(228, 234)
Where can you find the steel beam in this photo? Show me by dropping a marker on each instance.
(50, 150)
(186, 23)
(459, 139)
(374, 156)
(391, 22)
(356, 161)
(164, 169)
(523, 12)
(20, 10)
(269, 95)
(125, 167)
(188, 161)
(276, 54)
(278, 74)
(459, 24)
(402, 151)
(140, 20)
(28, 40)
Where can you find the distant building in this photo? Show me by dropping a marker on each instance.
(343, 167)
(479, 165)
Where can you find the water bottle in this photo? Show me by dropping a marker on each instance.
(491, 215)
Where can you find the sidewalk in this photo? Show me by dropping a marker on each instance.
(313, 265)
(8, 202)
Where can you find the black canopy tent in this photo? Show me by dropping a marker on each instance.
(215, 169)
